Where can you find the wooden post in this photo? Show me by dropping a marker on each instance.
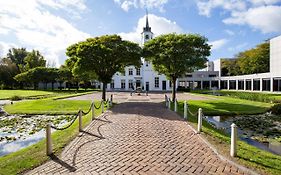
(102, 106)
(49, 149)
(80, 120)
(233, 146)
(93, 110)
(199, 120)
(185, 110)
(176, 106)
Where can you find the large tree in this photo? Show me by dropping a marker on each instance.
(176, 54)
(34, 59)
(255, 60)
(102, 57)
(8, 70)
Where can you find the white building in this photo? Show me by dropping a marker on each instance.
(211, 77)
(144, 77)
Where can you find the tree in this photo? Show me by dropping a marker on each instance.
(102, 57)
(176, 54)
(34, 59)
(8, 70)
(255, 60)
(64, 75)
(230, 67)
(17, 55)
(38, 74)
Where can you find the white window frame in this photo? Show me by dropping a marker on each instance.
(131, 84)
(123, 84)
(130, 71)
(156, 82)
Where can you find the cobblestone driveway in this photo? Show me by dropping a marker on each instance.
(138, 138)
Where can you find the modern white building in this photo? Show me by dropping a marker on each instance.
(144, 77)
(211, 76)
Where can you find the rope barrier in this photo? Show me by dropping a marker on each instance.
(85, 113)
(65, 127)
(98, 107)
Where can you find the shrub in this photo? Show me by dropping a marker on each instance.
(16, 98)
(250, 96)
(276, 109)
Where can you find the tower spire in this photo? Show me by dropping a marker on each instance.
(147, 28)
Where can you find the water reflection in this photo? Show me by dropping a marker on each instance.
(224, 122)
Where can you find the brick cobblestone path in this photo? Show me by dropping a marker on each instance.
(138, 138)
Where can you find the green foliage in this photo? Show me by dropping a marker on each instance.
(38, 74)
(176, 54)
(8, 70)
(16, 98)
(102, 57)
(255, 60)
(34, 59)
(249, 96)
(276, 109)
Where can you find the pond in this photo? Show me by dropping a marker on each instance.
(20, 131)
(262, 131)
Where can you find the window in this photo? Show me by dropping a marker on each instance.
(123, 84)
(130, 71)
(138, 71)
(156, 82)
(146, 36)
(112, 84)
(188, 75)
(130, 84)
(212, 75)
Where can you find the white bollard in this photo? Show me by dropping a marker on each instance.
(80, 120)
(176, 106)
(93, 110)
(102, 106)
(185, 110)
(233, 147)
(199, 128)
(49, 140)
(169, 103)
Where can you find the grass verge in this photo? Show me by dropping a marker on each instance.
(249, 156)
(35, 155)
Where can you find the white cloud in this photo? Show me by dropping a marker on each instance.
(4, 48)
(217, 44)
(126, 5)
(205, 7)
(35, 27)
(265, 18)
(238, 47)
(229, 32)
(263, 15)
(159, 25)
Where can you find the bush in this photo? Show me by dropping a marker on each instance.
(183, 89)
(250, 96)
(276, 109)
(16, 98)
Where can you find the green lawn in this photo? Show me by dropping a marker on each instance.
(47, 106)
(248, 155)
(6, 94)
(229, 106)
(35, 155)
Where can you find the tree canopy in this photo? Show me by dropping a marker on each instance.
(251, 61)
(101, 57)
(176, 54)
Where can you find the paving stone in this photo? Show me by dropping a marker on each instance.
(138, 138)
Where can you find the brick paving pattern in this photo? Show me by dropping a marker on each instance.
(138, 138)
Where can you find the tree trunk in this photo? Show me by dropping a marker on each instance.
(104, 91)
(174, 89)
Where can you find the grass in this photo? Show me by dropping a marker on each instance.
(49, 105)
(35, 155)
(7, 94)
(248, 155)
(229, 106)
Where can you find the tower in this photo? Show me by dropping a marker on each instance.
(146, 34)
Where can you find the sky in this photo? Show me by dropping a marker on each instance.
(50, 26)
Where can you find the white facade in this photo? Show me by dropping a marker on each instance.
(144, 77)
(269, 81)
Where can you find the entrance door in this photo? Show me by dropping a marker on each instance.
(147, 86)
(138, 84)
(164, 85)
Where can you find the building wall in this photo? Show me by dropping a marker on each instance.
(275, 55)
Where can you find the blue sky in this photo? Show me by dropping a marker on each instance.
(51, 25)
